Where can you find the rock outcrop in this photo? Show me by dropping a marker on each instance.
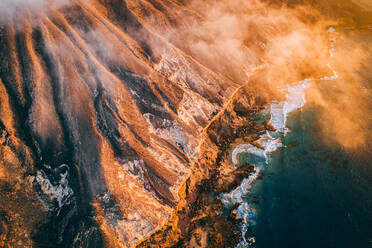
(110, 121)
(100, 122)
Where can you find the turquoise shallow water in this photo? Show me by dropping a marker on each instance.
(310, 194)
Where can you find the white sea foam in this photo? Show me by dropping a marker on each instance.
(258, 157)
(295, 99)
(270, 142)
(246, 148)
(236, 196)
(277, 116)
(270, 145)
(244, 212)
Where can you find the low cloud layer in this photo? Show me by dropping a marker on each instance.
(19, 8)
(280, 45)
(365, 4)
(242, 39)
(345, 116)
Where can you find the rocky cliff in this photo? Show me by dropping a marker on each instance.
(113, 112)
(100, 122)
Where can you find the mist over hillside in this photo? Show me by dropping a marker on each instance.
(113, 112)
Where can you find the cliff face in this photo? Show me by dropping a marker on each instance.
(100, 121)
(200, 219)
(112, 112)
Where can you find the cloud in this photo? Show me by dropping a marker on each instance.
(345, 108)
(365, 4)
(10, 9)
(242, 39)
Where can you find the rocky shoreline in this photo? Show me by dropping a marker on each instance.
(200, 219)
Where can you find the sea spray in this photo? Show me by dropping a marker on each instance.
(260, 156)
(268, 143)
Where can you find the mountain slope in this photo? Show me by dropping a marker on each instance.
(111, 111)
(97, 126)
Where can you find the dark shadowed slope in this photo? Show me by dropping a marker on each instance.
(98, 129)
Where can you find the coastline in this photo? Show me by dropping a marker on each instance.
(214, 192)
(258, 153)
(213, 175)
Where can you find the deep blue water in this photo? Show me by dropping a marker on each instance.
(313, 195)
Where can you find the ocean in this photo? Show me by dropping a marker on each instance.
(306, 192)
(312, 195)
